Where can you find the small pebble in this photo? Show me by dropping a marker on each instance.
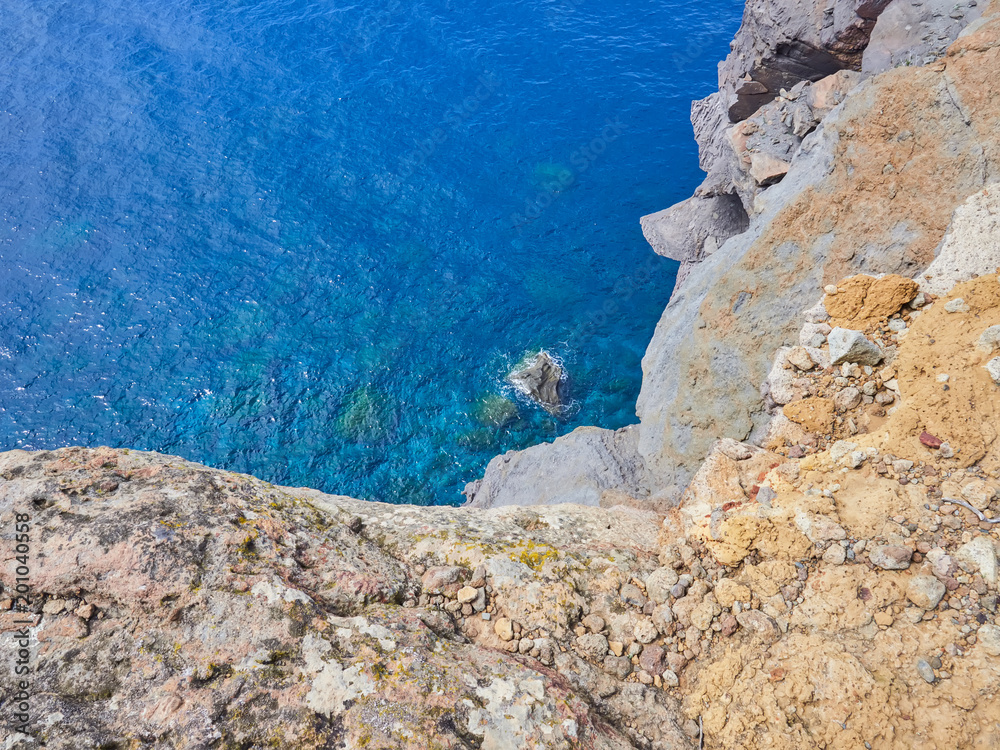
(925, 671)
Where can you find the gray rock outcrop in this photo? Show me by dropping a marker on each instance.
(852, 346)
(916, 32)
(783, 42)
(589, 466)
(541, 381)
(695, 228)
(748, 157)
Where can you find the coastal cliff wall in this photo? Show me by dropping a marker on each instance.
(871, 190)
(778, 216)
(796, 547)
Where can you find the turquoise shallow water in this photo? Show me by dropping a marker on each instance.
(308, 239)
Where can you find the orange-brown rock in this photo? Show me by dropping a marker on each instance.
(962, 410)
(872, 190)
(813, 413)
(862, 300)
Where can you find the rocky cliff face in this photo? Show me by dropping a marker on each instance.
(871, 190)
(836, 587)
(842, 175)
(797, 546)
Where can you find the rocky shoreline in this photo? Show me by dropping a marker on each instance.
(793, 548)
(912, 142)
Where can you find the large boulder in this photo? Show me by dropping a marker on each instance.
(540, 379)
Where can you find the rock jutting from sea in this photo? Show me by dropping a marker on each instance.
(540, 378)
(787, 551)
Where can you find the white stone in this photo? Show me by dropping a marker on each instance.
(993, 368)
(971, 247)
(645, 631)
(956, 305)
(841, 449)
(798, 357)
(852, 346)
(835, 555)
(980, 554)
(814, 334)
(979, 493)
(925, 591)
(989, 341)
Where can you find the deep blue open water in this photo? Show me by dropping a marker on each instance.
(307, 239)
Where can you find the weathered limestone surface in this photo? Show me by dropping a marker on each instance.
(916, 32)
(911, 144)
(176, 606)
(972, 246)
(589, 466)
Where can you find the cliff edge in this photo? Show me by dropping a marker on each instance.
(852, 173)
(798, 546)
(837, 587)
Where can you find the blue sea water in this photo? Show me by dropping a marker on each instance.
(308, 239)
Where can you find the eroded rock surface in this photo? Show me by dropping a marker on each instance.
(912, 144)
(589, 466)
(782, 42)
(846, 563)
(179, 606)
